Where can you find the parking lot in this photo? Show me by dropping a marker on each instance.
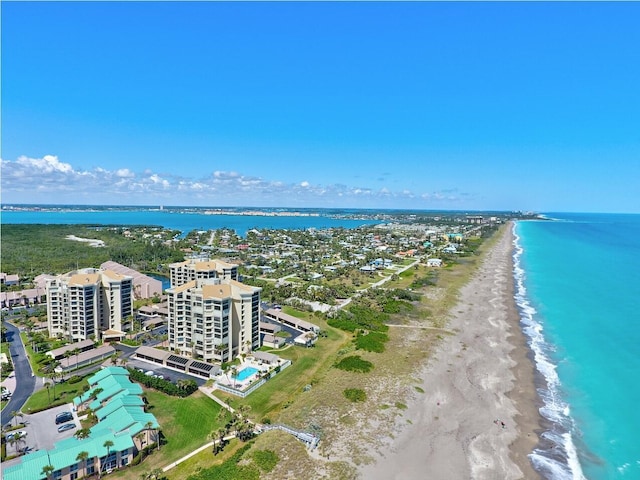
(42, 431)
(171, 375)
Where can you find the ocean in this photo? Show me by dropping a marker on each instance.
(178, 220)
(578, 290)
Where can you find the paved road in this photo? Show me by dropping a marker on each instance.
(25, 382)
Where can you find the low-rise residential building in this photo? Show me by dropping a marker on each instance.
(9, 279)
(143, 285)
(27, 296)
(87, 357)
(291, 321)
(172, 361)
(80, 346)
(112, 442)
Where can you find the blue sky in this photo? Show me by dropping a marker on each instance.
(509, 106)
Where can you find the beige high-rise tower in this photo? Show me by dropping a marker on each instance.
(89, 303)
(214, 319)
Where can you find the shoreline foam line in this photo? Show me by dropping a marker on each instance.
(556, 457)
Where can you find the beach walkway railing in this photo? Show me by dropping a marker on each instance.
(309, 439)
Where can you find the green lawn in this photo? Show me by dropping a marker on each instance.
(64, 393)
(31, 355)
(202, 460)
(185, 424)
(307, 365)
(7, 368)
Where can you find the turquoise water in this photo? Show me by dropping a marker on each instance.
(578, 287)
(185, 222)
(245, 373)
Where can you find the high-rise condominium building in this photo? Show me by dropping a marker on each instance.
(89, 302)
(214, 319)
(193, 269)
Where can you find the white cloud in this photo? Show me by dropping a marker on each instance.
(124, 172)
(49, 180)
(47, 164)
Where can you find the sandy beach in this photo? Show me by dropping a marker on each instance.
(478, 379)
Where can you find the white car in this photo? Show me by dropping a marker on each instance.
(10, 435)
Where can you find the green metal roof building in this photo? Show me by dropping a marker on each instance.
(121, 416)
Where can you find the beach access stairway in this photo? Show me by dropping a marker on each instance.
(309, 439)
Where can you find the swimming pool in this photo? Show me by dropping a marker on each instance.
(245, 373)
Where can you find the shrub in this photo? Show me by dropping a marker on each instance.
(162, 385)
(355, 394)
(354, 363)
(360, 317)
(74, 379)
(371, 341)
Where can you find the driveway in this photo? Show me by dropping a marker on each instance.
(25, 381)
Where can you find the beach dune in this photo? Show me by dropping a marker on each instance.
(478, 380)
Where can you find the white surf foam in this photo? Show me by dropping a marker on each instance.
(560, 461)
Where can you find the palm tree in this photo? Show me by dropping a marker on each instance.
(115, 357)
(140, 438)
(82, 433)
(48, 386)
(47, 470)
(82, 457)
(76, 352)
(220, 433)
(219, 350)
(148, 427)
(213, 435)
(15, 415)
(155, 474)
(95, 393)
(234, 372)
(68, 354)
(244, 410)
(13, 441)
(108, 444)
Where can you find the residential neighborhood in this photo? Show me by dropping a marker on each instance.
(220, 328)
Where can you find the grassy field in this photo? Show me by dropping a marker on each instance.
(308, 365)
(202, 460)
(186, 424)
(43, 399)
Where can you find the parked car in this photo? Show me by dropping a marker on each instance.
(66, 426)
(150, 373)
(63, 417)
(10, 435)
